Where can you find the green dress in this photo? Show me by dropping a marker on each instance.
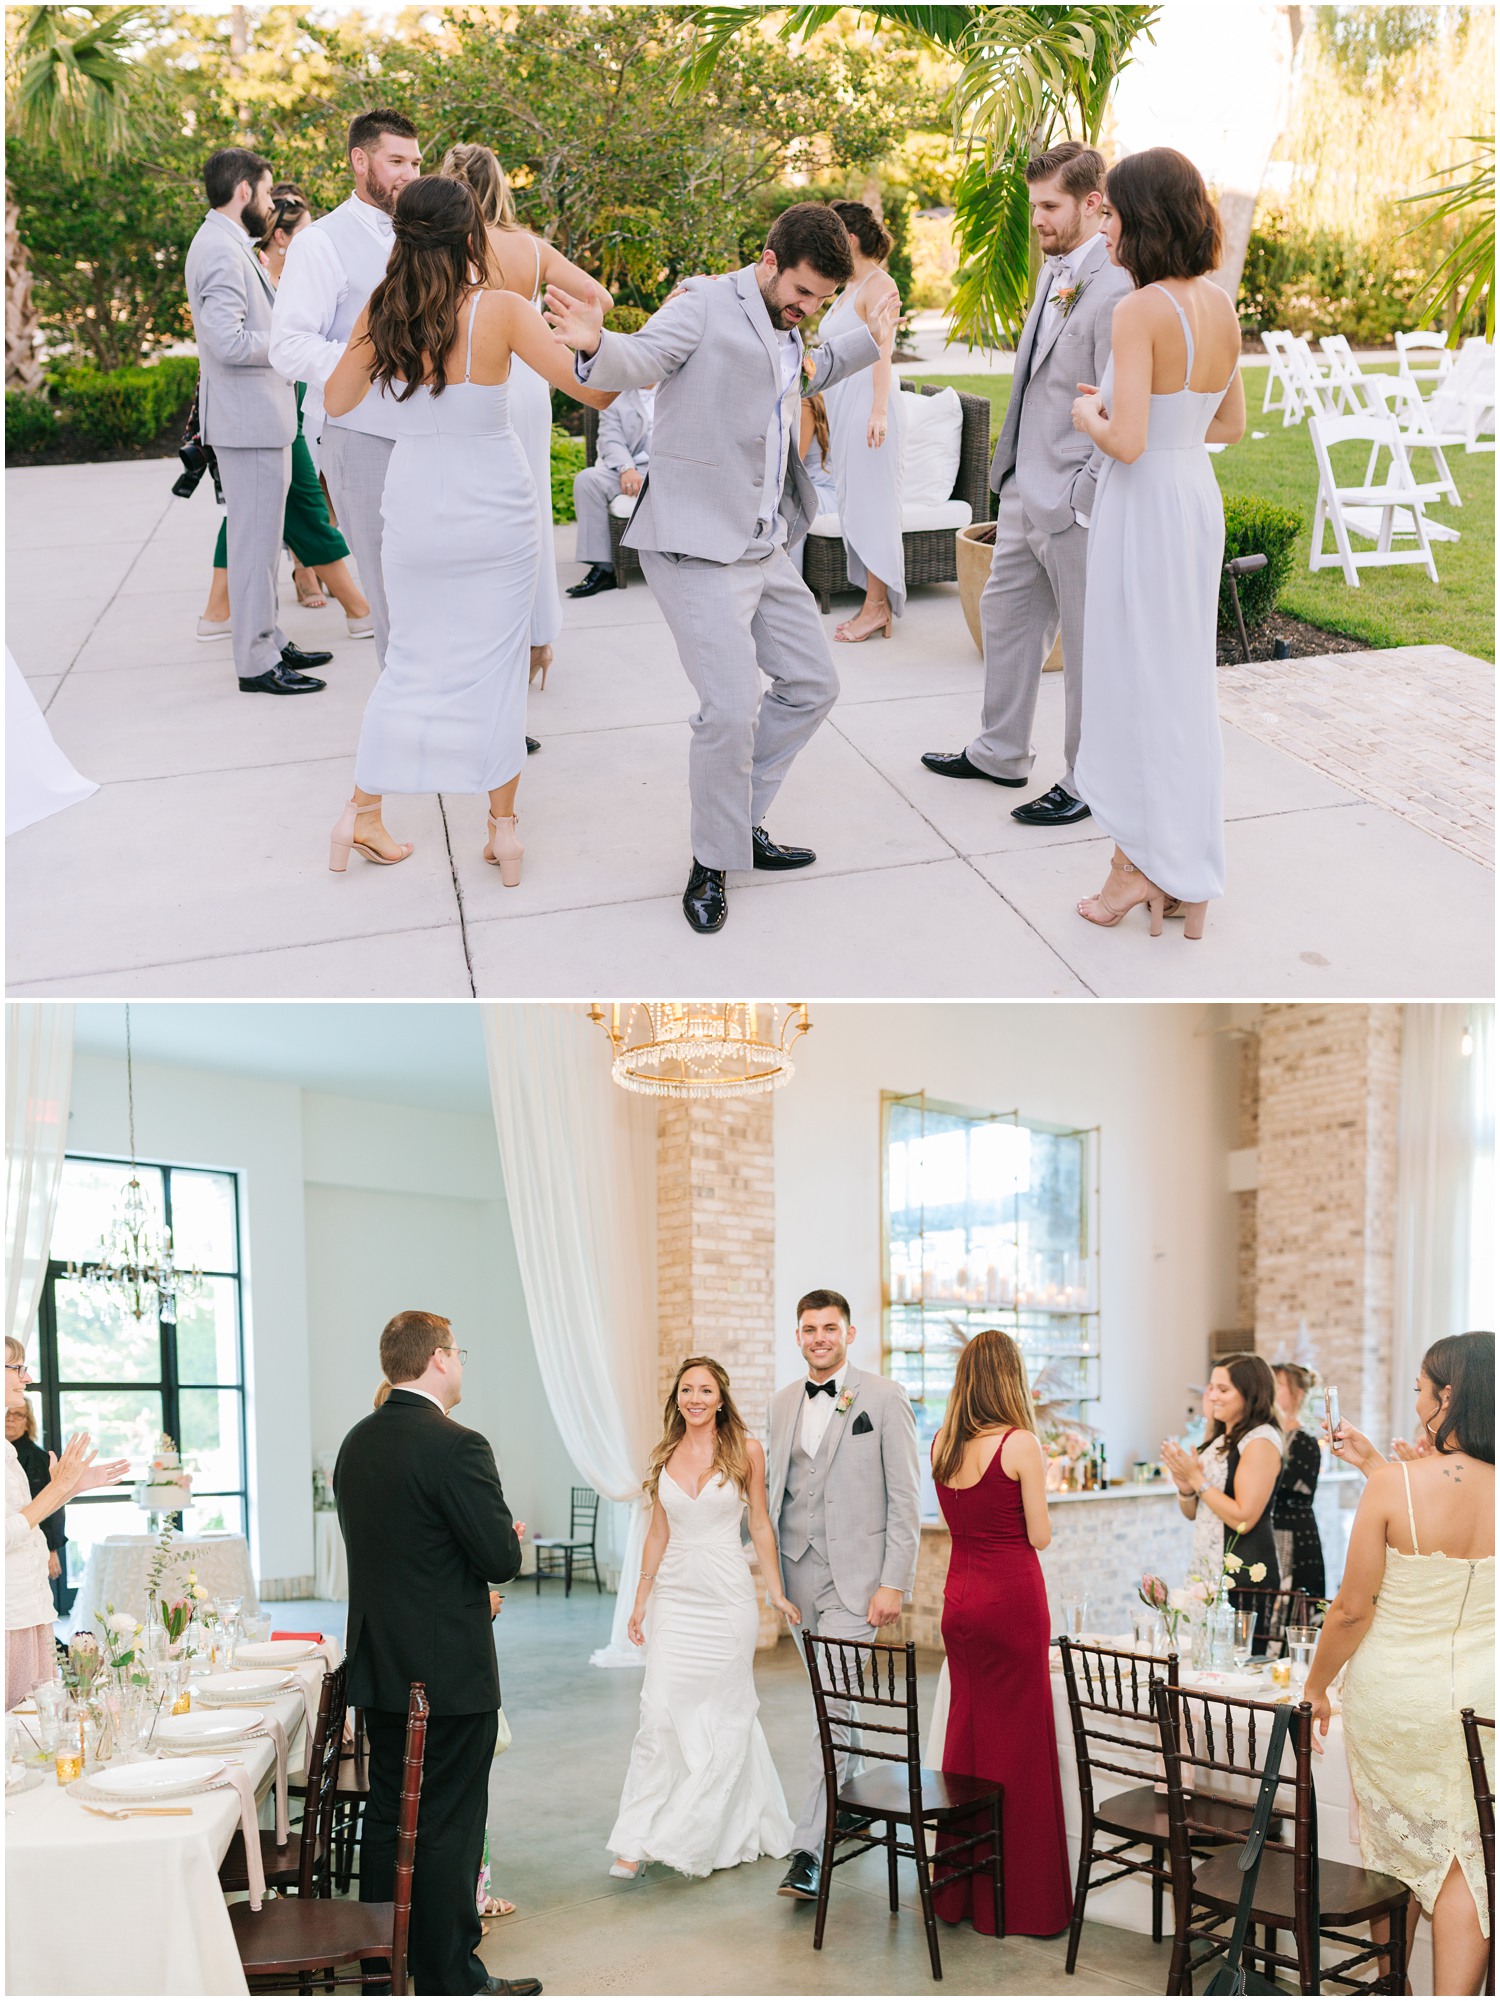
(306, 528)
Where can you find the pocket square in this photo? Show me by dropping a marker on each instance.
(862, 1423)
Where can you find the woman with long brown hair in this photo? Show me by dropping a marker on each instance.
(460, 543)
(1229, 1484)
(991, 1479)
(1150, 760)
(525, 264)
(701, 1792)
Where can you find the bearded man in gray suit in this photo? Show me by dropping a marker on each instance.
(1045, 472)
(724, 500)
(842, 1487)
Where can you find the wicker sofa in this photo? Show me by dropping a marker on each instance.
(931, 556)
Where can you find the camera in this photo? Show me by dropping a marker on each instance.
(197, 459)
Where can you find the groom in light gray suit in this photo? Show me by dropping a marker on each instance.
(724, 500)
(247, 413)
(1045, 472)
(843, 1491)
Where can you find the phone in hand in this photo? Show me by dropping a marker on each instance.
(1334, 1419)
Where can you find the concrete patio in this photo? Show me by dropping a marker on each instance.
(199, 867)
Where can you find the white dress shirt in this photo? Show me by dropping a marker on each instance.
(1051, 317)
(817, 1413)
(330, 271)
(417, 1391)
(772, 523)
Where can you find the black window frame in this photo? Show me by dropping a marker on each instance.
(50, 1388)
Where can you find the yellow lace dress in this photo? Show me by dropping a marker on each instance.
(1429, 1653)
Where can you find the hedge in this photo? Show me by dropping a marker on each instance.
(127, 406)
(30, 421)
(1253, 526)
(567, 459)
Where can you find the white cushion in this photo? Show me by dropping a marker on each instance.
(932, 429)
(947, 514)
(623, 505)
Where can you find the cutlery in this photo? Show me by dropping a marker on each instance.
(134, 1812)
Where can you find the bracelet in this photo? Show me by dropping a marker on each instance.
(647, 1575)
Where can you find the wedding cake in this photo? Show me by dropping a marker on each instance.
(167, 1488)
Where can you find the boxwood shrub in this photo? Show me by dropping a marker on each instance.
(567, 459)
(1253, 526)
(126, 406)
(30, 421)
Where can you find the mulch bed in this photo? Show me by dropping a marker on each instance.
(1302, 640)
(72, 450)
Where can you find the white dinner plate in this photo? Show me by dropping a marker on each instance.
(154, 1780)
(242, 1685)
(276, 1653)
(1218, 1681)
(207, 1726)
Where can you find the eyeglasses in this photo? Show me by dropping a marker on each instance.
(20, 1369)
(449, 1349)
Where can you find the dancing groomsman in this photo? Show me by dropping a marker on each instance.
(247, 413)
(427, 1531)
(843, 1490)
(622, 455)
(725, 498)
(1045, 472)
(331, 269)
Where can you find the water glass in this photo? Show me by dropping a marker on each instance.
(1073, 1609)
(50, 1698)
(257, 1628)
(1244, 1637)
(1301, 1645)
(132, 1719)
(1145, 1630)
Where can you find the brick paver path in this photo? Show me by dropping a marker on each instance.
(1412, 729)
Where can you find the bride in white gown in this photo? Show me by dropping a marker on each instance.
(701, 1792)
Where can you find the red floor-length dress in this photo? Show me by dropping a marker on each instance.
(995, 1629)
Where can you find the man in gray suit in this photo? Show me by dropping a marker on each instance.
(622, 454)
(842, 1487)
(724, 500)
(248, 414)
(1045, 473)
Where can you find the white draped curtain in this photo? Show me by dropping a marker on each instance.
(38, 1080)
(1445, 1186)
(579, 1159)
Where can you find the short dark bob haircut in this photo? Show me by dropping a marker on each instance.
(1465, 1364)
(1169, 227)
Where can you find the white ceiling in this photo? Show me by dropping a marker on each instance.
(398, 1053)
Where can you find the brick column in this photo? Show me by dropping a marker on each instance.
(715, 1251)
(1329, 1104)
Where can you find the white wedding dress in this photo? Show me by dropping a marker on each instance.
(701, 1792)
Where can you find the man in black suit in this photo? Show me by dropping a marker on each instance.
(427, 1531)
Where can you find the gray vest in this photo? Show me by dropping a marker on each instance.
(802, 1517)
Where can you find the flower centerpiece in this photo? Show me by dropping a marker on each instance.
(122, 1632)
(175, 1615)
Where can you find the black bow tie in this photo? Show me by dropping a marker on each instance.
(830, 1388)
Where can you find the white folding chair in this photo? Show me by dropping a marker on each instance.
(1281, 391)
(1404, 400)
(1377, 513)
(1409, 345)
(1313, 380)
(1464, 402)
(1344, 373)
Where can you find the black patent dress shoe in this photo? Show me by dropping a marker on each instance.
(1056, 808)
(705, 901)
(531, 745)
(849, 1822)
(599, 578)
(525, 1985)
(295, 658)
(768, 855)
(801, 1880)
(956, 764)
(281, 681)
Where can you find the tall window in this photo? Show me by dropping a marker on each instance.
(126, 1381)
(990, 1220)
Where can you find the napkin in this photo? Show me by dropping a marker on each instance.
(273, 1728)
(239, 1778)
(317, 1637)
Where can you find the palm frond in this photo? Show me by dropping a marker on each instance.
(72, 81)
(992, 231)
(1467, 274)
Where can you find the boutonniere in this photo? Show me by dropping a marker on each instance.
(1065, 298)
(845, 1404)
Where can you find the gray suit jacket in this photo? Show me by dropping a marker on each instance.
(241, 398)
(713, 355)
(871, 1499)
(624, 438)
(1056, 468)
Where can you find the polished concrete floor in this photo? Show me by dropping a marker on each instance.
(553, 1800)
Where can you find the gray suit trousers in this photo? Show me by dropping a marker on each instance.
(593, 489)
(255, 479)
(808, 1582)
(1036, 581)
(734, 623)
(354, 464)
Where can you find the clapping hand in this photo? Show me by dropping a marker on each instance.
(1088, 404)
(1404, 1449)
(81, 1468)
(577, 324)
(1184, 1465)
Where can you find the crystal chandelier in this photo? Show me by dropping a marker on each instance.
(135, 1258)
(702, 1049)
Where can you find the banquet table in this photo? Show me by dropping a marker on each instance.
(134, 1906)
(330, 1567)
(1127, 1903)
(118, 1567)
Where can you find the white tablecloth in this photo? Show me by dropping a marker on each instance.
(332, 1571)
(1127, 1903)
(133, 1906)
(119, 1566)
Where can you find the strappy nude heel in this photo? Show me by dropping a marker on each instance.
(541, 660)
(1154, 899)
(504, 849)
(882, 631)
(1193, 914)
(342, 840)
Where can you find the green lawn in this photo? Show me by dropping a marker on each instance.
(1397, 607)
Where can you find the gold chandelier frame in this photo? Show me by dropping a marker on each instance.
(702, 1049)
